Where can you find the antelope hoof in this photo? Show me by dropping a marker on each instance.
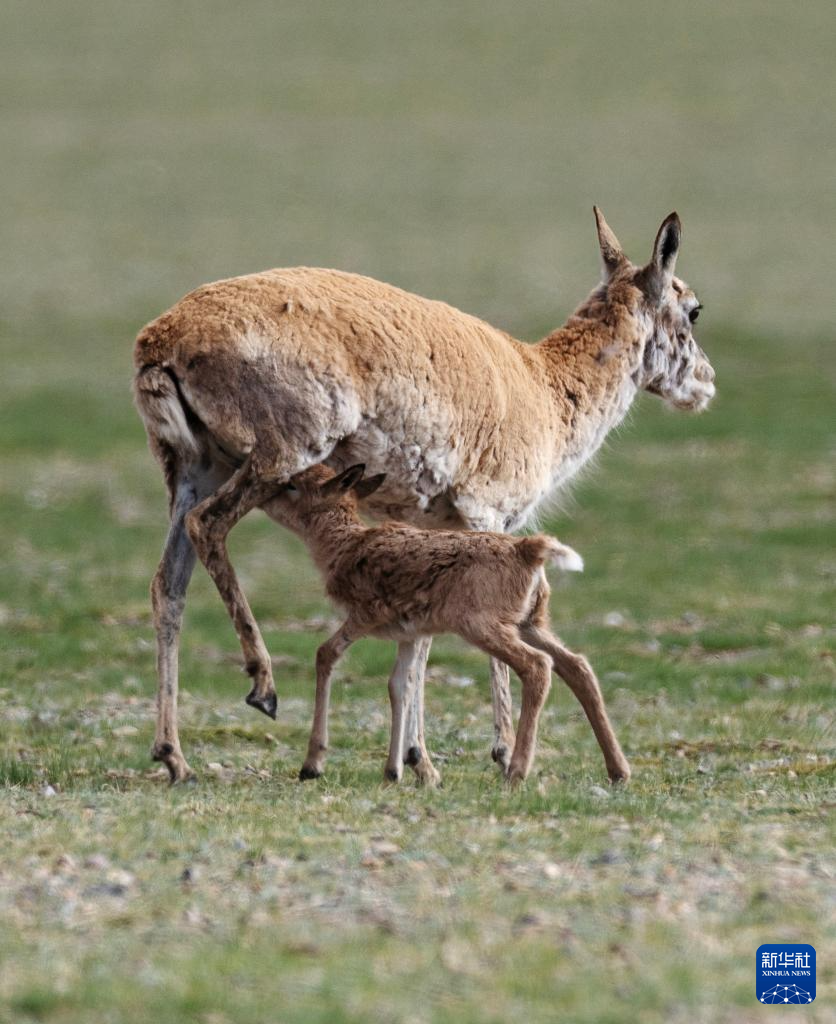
(178, 770)
(619, 776)
(514, 778)
(501, 754)
(266, 704)
(413, 756)
(391, 774)
(307, 772)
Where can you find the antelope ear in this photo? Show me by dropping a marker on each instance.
(658, 274)
(346, 480)
(368, 486)
(612, 255)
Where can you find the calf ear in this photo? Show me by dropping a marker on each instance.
(346, 480)
(658, 274)
(368, 486)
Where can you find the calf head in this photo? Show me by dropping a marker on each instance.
(318, 492)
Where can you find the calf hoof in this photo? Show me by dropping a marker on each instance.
(307, 772)
(266, 704)
(413, 756)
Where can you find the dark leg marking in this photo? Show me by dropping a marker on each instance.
(413, 756)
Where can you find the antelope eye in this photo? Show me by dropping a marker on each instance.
(692, 316)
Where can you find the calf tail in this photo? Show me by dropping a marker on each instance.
(537, 550)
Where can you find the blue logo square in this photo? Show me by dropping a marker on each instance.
(785, 973)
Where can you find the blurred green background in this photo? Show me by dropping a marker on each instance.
(455, 150)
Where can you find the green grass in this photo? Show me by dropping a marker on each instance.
(455, 150)
(708, 538)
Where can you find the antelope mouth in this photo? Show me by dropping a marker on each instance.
(697, 401)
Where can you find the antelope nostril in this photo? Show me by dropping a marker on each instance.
(705, 373)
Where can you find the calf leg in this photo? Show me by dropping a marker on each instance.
(536, 681)
(326, 658)
(208, 526)
(577, 673)
(412, 662)
(533, 667)
(479, 517)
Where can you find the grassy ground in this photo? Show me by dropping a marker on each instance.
(155, 149)
(707, 608)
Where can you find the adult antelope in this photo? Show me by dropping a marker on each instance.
(248, 381)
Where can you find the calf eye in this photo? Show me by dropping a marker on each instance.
(692, 316)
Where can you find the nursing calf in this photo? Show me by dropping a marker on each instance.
(399, 582)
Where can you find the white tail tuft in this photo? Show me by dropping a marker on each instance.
(565, 558)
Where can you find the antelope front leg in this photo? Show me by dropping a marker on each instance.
(399, 696)
(412, 659)
(503, 714)
(208, 526)
(326, 658)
